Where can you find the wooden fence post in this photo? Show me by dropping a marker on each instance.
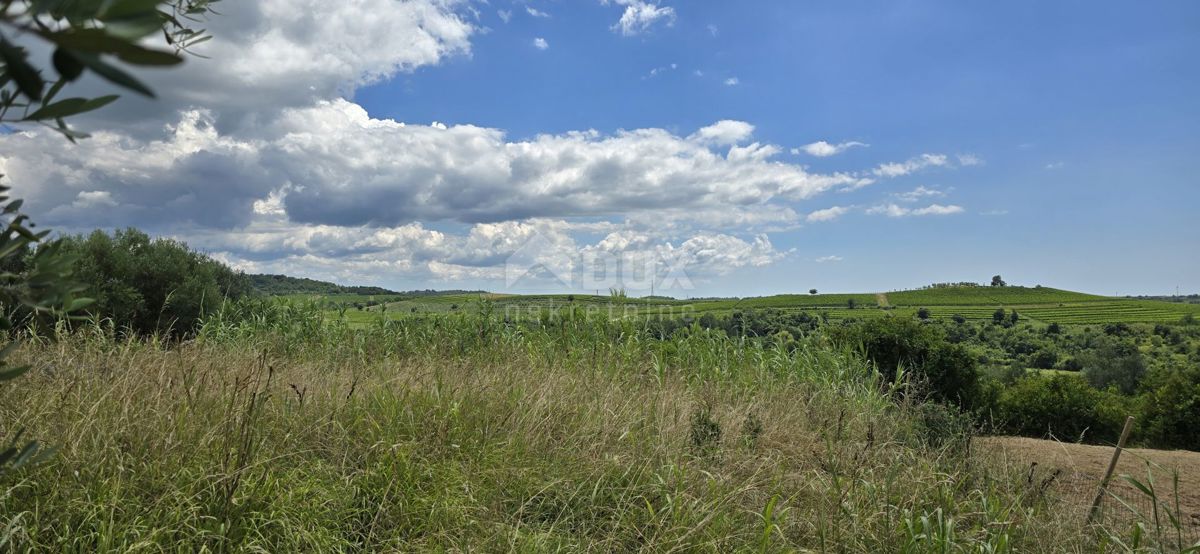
(1112, 465)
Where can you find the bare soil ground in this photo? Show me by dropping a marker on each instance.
(1083, 466)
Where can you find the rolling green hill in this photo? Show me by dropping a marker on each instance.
(1040, 304)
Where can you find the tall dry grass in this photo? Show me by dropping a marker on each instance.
(466, 433)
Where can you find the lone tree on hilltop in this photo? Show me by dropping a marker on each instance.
(998, 282)
(812, 291)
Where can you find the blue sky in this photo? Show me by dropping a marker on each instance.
(1063, 137)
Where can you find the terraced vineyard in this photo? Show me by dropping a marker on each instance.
(1129, 311)
(988, 296)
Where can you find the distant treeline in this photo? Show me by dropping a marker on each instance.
(145, 285)
(278, 285)
(951, 285)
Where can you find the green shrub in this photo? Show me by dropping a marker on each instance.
(945, 371)
(1062, 406)
(1071, 364)
(149, 285)
(1043, 359)
(1114, 364)
(704, 432)
(1170, 409)
(940, 426)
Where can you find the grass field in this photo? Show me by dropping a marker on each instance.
(1041, 304)
(461, 433)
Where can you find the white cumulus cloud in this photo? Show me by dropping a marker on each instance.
(822, 149)
(269, 55)
(898, 169)
(919, 193)
(640, 16)
(827, 214)
(268, 165)
(339, 166)
(894, 210)
(724, 132)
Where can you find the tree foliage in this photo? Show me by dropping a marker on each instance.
(1061, 406)
(96, 36)
(946, 371)
(149, 285)
(31, 285)
(1170, 410)
(1114, 363)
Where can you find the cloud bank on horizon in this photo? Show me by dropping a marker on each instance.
(263, 156)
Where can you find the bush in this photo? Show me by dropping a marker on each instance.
(945, 370)
(149, 285)
(1170, 409)
(939, 427)
(1115, 364)
(1063, 406)
(704, 432)
(1071, 364)
(1043, 359)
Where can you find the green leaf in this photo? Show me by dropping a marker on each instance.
(70, 106)
(67, 65)
(29, 81)
(146, 56)
(54, 90)
(92, 39)
(126, 9)
(135, 28)
(79, 303)
(114, 75)
(1138, 484)
(26, 454)
(11, 373)
(101, 41)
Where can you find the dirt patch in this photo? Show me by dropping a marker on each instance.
(881, 300)
(1083, 466)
